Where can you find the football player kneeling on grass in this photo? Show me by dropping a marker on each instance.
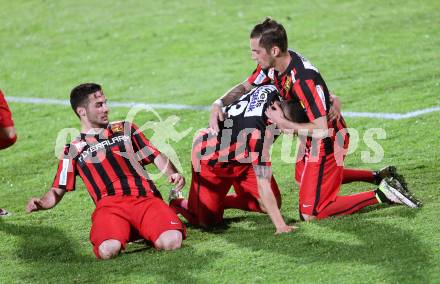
(319, 169)
(237, 156)
(8, 135)
(110, 159)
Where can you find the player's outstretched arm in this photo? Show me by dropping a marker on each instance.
(49, 200)
(264, 174)
(228, 98)
(164, 164)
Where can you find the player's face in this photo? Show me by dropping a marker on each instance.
(97, 110)
(260, 54)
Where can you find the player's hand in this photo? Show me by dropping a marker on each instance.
(178, 180)
(285, 229)
(216, 116)
(274, 113)
(35, 204)
(334, 112)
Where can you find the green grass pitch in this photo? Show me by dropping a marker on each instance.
(378, 56)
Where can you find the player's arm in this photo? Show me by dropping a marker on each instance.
(264, 174)
(228, 98)
(49, 200)
(318, 127)
(334, 112)
(164, 164)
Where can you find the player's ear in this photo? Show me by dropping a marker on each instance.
(81, 111)
(275, 51)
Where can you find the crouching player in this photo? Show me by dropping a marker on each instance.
(237, 156)
(8, 135)
(109, 157)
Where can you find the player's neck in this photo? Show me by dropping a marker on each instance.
(90, 128)
(282, 62)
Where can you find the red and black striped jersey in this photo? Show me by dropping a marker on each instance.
(301, 82)
(110, 163)
(244, 136)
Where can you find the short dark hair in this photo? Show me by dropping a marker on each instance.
(79, 96)
(271, 34)
(294, 111)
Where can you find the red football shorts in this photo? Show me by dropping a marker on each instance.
(125, 218)
(320, 179)
(210, 186)
(5, 113)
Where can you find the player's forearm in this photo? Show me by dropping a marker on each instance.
(51, 198)
(317, 128)
(235, 93)
(264, 175)
(270, 203)
(164, 165)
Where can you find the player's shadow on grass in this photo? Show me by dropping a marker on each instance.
(397, 253)
(42, 243)
(218, 229)
(50, 255)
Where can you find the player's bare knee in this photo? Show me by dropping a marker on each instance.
(109, 249)
(8, 133)
(169, 240)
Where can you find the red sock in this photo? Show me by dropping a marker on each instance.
(351, 175)
(243, 202)
(345, 205)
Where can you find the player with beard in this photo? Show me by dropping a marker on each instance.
(110, 159)
(319, 170)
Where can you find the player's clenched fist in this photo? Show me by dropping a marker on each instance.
(33, 205)
(178, 180)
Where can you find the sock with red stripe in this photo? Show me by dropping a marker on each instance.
(345, 205)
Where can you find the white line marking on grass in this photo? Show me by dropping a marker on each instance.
(395, 116)
(381, 115)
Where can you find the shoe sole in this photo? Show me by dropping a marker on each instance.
(404, 196)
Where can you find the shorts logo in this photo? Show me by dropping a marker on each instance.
(174, 223)
(306, 205)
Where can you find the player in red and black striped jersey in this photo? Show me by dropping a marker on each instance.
(8, 134)
(319, 169)
(109, 162)
(110, 159)
(237, 156)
